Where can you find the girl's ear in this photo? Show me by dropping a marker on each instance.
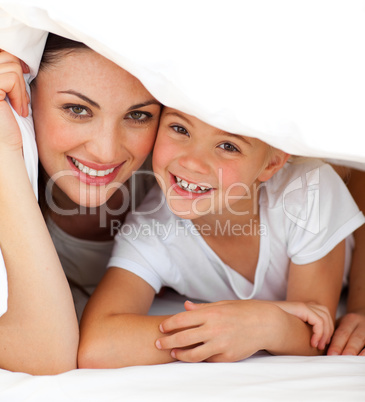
(276, 161)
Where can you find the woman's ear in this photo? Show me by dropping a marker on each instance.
(275, 162)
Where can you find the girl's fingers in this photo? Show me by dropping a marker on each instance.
(197, 354)
(180, 321)
(322, 327)
(181, 339)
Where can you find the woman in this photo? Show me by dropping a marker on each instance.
(95, 125)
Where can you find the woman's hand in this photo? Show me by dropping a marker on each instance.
(349, 337)
(12, 82)
(10, 136)
(315, 315)
(13, 85)
(216, 332)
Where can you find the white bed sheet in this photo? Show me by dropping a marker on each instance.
(262, 377)
(259, 378)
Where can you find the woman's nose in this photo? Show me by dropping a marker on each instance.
(105, 143)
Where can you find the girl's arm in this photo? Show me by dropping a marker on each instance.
(349, 337)
(115, 328)
(234, 330)
(38, 333)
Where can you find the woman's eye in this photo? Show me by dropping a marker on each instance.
(139, 117)
(179, 129)
(81, 111)
(227, 146)
(77, 111)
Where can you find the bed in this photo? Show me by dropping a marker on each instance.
(301, 92)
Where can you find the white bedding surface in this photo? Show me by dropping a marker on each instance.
(259, 378)
(262, 377)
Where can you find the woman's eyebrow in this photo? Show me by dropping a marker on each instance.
(81, 96)
(139, 105)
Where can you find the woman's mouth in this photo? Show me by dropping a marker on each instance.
(89, 171)
(92, 176)
(191, 187)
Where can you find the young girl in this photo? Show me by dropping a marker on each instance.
(236, 225)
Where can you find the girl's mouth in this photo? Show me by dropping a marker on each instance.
(191, 187)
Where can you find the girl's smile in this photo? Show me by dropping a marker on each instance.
(189, 189)
(203, 170)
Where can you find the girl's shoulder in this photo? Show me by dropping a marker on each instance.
(293, 181)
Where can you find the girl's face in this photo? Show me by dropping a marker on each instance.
(95, 125)
(203, 170)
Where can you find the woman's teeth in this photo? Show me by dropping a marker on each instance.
(192, 187)
(89, 171)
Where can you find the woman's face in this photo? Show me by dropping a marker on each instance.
(95, 125)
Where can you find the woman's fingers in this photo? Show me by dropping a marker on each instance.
(12, 82)
(349, 337)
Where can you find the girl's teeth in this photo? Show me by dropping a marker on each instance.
(89, 171)
(190, 186)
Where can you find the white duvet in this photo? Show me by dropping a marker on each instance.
(290, 72)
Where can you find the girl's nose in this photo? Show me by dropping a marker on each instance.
(195, 161)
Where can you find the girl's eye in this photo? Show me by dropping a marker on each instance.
(77, 111)
(138, 116)
(179, 129)
(227, 146)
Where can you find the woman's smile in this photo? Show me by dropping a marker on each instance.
(95, 125)
(91, 174)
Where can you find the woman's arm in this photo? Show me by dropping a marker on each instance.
(349, 337)
(38, 333)
(115, 328)
(234, 330)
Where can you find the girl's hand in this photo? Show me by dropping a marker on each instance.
(224, 331)
(12, 82)
(349, 337)
(314, 314)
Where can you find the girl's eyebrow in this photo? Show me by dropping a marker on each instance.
(81, 96)
(220, 132)
(180, 116)
(237, 137)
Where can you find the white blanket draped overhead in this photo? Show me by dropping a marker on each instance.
(288, 72)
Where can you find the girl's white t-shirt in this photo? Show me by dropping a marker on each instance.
(305, 211)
